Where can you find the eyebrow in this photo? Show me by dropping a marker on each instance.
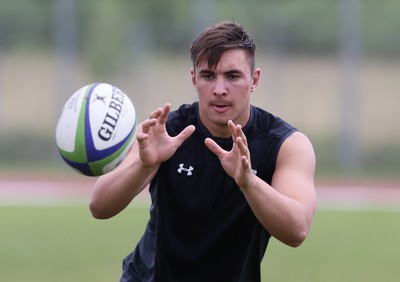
(206, 71)
(233, 71)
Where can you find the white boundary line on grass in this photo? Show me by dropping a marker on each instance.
(359, 198)
(77, 193)
(52, 193)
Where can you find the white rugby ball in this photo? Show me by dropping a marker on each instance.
(96, 129)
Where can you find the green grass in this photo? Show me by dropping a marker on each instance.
(342, 246)
(67, 244)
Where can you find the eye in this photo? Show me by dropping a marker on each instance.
(233, 76)
(207, 76)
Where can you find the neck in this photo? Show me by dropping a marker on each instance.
(219, 130)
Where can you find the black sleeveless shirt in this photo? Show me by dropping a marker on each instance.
(201, 227)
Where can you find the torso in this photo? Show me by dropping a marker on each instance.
(204, 225)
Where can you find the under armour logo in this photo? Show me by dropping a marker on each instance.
(188, 170)
(254, 171)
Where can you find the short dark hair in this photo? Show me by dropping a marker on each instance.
(214, 40)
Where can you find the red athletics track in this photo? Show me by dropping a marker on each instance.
(77, 189)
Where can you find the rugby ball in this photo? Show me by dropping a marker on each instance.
(96, 129)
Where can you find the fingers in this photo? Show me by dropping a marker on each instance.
(141, 137)
(161, 112)
(236, 131)
(240, 139)
(185, 134)
(147, 124)
(245, 163)
(155, 126)
(232, 129)
(164, 113)
(214, 147)
(159, 115)
(244, 151)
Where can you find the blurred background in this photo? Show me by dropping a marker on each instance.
(331, 68)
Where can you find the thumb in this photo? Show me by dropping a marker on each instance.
(214, 147)
(185, 134)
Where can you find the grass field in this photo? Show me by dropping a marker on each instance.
(67, 244)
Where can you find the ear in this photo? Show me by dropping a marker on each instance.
(255, 79)
(193, 73)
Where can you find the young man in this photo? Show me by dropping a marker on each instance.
(224, 175)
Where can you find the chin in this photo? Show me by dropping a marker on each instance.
(222, 121)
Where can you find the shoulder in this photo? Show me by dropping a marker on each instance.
(271, 126)
(297, 149)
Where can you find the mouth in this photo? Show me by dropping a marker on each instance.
(219, 107)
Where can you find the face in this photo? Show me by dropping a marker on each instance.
(224, 92)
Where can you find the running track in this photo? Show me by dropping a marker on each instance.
(334, 195)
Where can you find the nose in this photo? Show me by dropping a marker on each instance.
(220, 87)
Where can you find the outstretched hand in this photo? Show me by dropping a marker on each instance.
(155, 145)
(235, 162)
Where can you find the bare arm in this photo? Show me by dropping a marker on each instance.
(116, 189)
(286, 208)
